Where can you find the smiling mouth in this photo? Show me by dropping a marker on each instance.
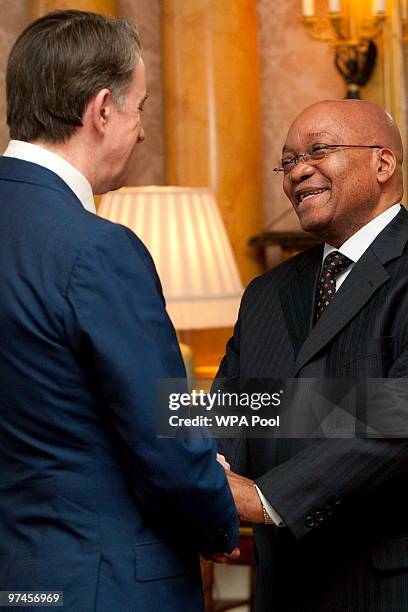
(307, 195)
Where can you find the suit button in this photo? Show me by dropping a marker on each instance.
(224, 535)
(319, 516)
(337, 503)
(328, 509)
(310, 522)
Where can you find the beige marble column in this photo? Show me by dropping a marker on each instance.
(37, 8)
(211, 106)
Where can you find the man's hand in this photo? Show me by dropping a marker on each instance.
(223, 557)
(247, 501)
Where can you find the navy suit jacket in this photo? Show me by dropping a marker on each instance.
(92, 502)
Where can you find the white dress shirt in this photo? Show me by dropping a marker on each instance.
(45, 158)
(353, 248)
(359, 242)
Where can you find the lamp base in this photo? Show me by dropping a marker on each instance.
(188, 358)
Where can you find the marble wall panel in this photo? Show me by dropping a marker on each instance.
(295, 72)
(14, 17)
(147, 164)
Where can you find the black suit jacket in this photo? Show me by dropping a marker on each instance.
(345, 547)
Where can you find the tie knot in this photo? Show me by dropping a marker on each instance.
(336, 262)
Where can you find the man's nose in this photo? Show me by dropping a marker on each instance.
(301, 171)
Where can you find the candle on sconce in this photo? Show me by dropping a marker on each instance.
(334, 6)
(308, 8)
(378, 6)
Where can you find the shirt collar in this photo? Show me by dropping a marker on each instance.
(359, 242)
(45, 158)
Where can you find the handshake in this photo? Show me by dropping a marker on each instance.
(247, 502)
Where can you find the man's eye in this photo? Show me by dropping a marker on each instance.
(318, 147)
(286, 163)
(318, 151)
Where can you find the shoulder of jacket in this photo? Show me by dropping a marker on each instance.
(281, 272)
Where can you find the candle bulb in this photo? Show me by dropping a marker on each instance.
(378, 6)
(308, 8)
(334, 6)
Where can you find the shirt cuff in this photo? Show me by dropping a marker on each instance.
(270, 511)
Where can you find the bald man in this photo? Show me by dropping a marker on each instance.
(330, 515)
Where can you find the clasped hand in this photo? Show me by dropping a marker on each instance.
(247, 502)
(246, 498)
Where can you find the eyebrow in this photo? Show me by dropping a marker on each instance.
(310, 135)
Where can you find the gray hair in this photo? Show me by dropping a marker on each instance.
(58, 64)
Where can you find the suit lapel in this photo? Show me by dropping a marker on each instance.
(297, 296)
(363, 281)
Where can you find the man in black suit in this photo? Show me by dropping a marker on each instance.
(331, 514)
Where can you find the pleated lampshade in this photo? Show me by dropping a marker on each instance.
(184, 232)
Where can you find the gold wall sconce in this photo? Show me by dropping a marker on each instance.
(352, 32)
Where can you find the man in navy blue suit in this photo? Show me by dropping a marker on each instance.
(92, 502)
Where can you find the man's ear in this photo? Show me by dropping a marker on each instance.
(99, 110)
(386, 165)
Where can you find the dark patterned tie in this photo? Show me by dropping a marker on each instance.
(333, 265)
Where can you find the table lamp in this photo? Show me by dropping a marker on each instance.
(184, 232)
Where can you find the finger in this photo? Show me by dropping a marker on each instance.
(235, 554)
(221, 459)
(219, 559)
(216, 558)
(223, 557)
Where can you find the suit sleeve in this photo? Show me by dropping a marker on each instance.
(331, 475)
(322, 480)
(116, 323)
